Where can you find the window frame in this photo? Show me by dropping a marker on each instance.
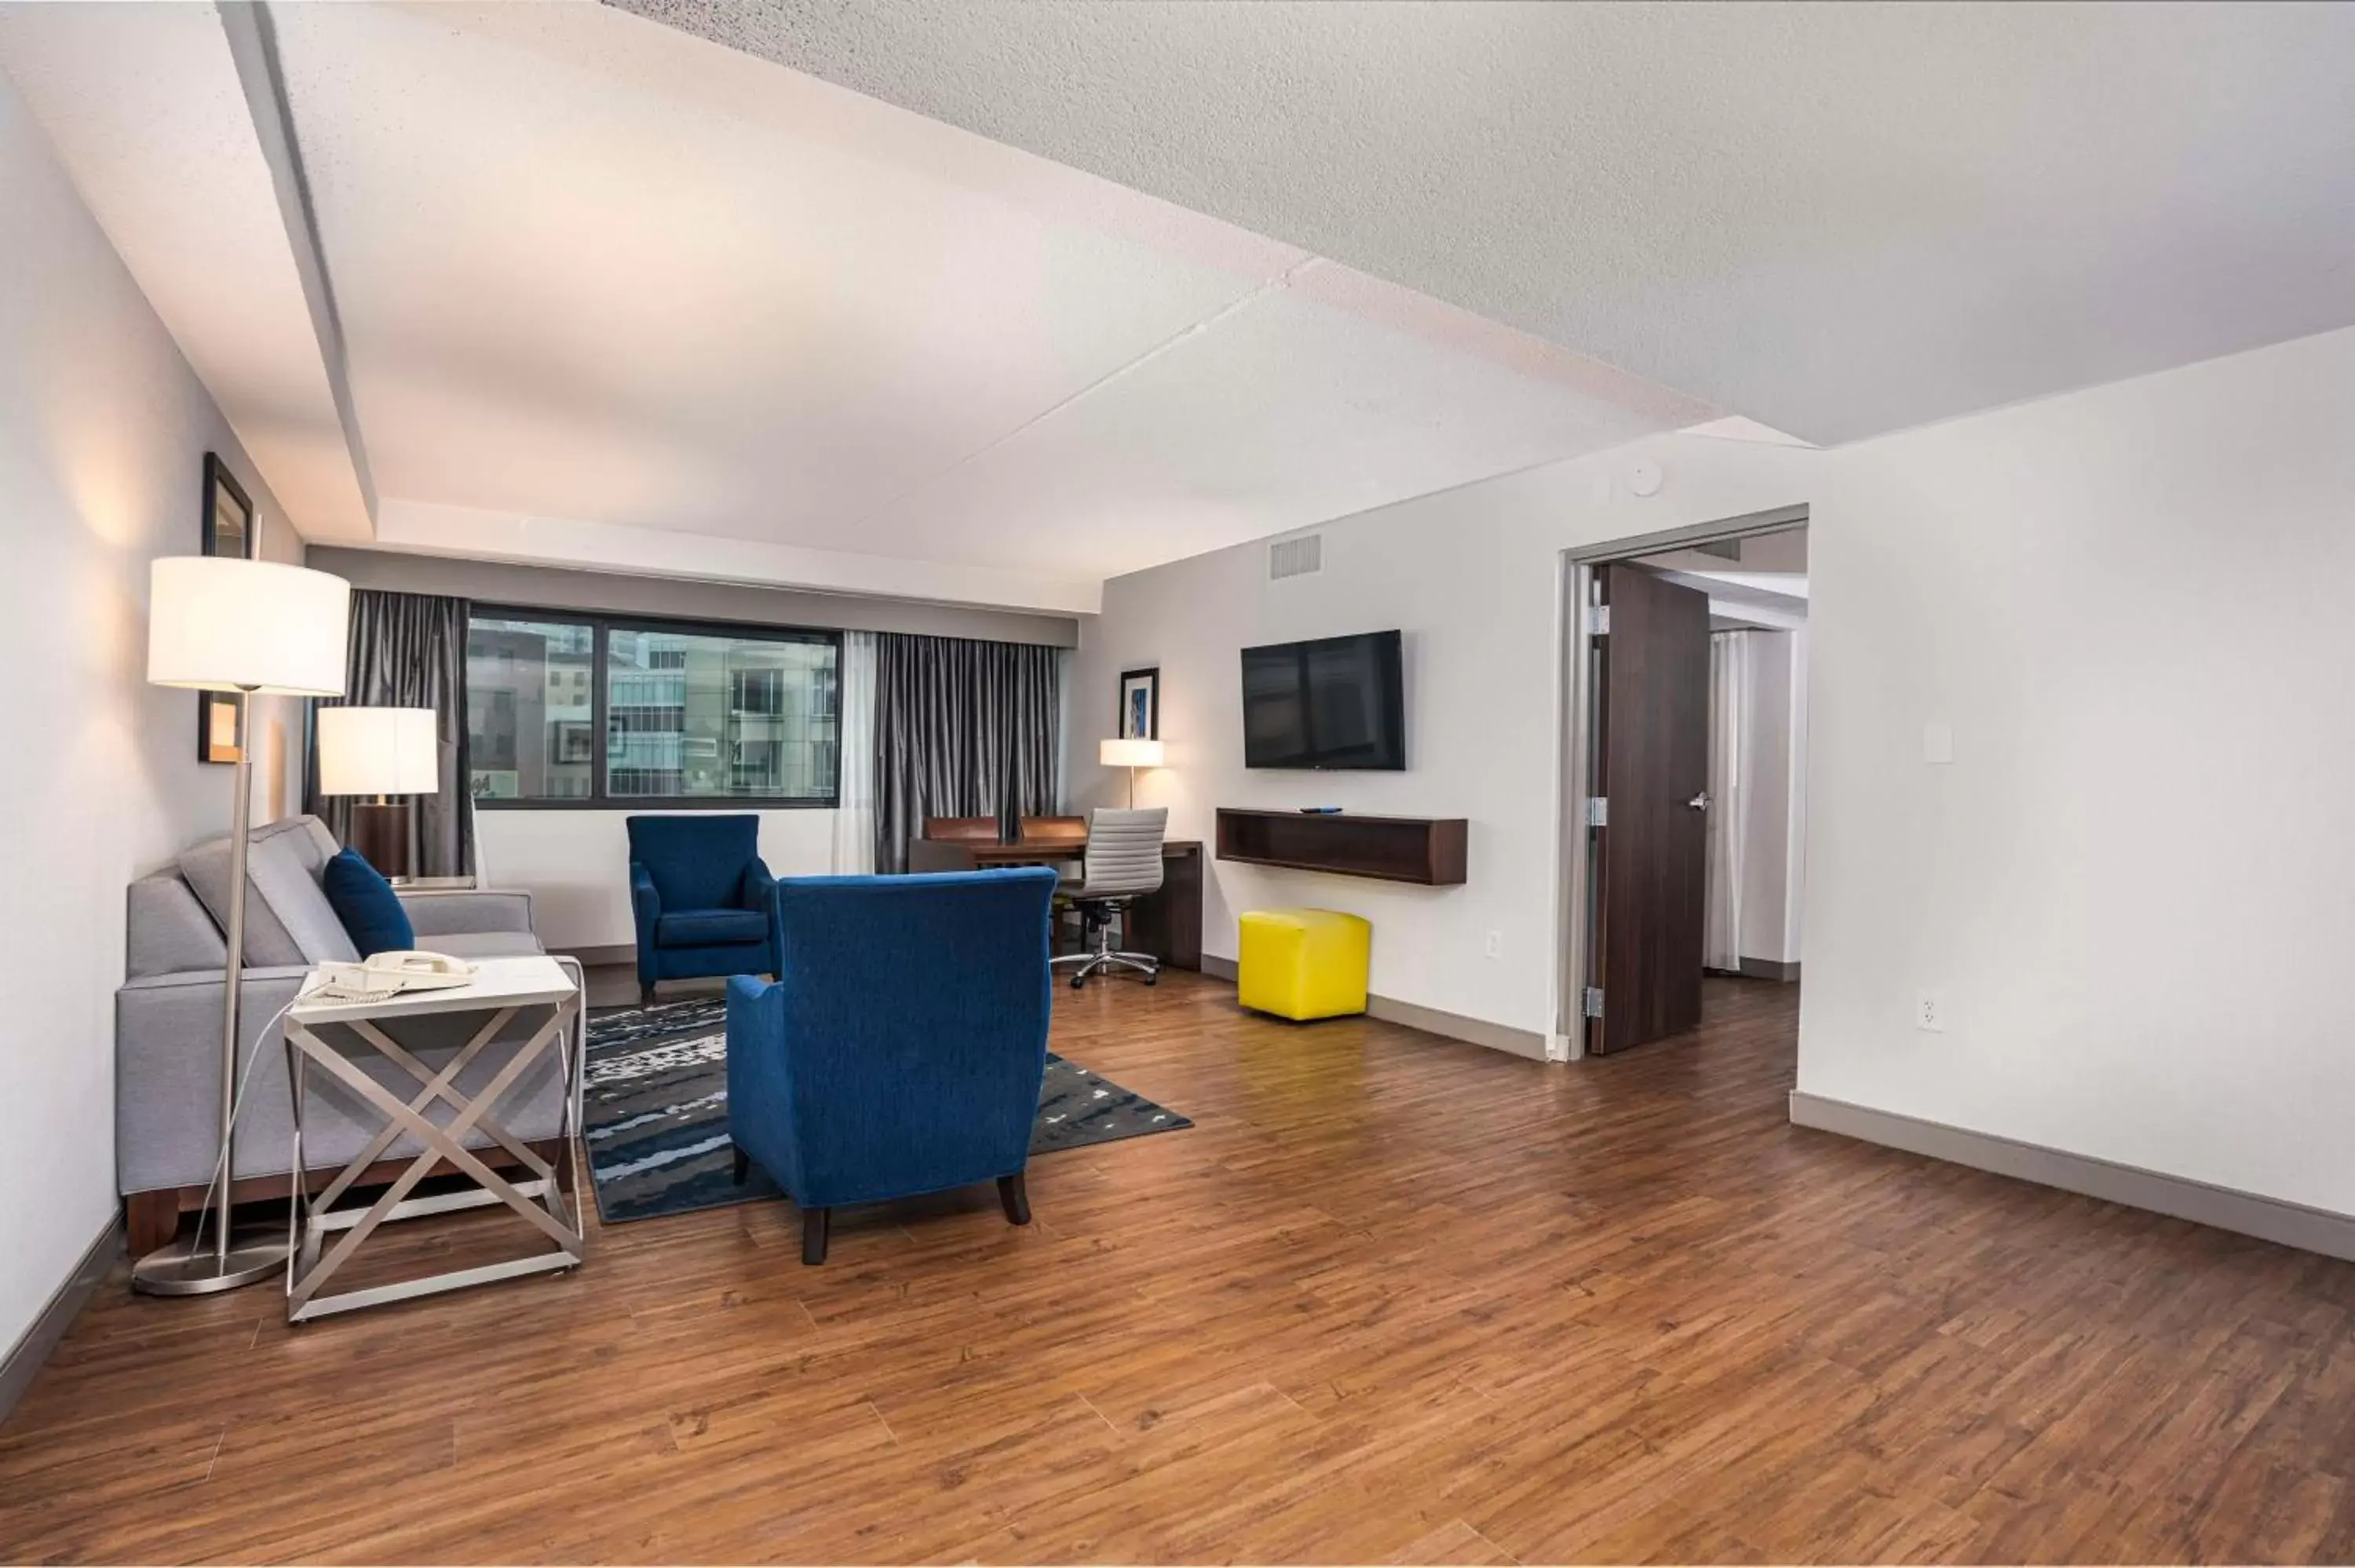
(601, 624)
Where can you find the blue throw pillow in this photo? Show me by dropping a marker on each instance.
(365, 902)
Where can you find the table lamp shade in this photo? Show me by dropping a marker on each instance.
(1129, 753)
(378, 751)
(217, 623)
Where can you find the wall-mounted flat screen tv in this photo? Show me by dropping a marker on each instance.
(1339, 701)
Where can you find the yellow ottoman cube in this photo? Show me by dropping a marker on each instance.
(1304, 963)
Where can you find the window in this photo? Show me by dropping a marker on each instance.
(522, 711)
(692, 714)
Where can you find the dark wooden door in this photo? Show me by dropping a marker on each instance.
(1652, 856)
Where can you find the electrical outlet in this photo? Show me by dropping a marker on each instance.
(1495, 946)
(1930, 1012)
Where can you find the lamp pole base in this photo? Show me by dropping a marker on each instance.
(182, 1269)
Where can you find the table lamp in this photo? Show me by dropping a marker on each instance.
(381, 752)
(1131, 755)
(218, 623)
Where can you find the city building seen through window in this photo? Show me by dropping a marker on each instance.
(571, 711)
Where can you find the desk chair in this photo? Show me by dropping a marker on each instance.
(980, 828)
(1121, 865)
(1059, 840)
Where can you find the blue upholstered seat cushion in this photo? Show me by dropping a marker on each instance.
(711, 927)
(365, 902)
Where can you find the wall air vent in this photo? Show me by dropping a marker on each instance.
(1300, 557)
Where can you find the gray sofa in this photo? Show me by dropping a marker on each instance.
(167, 1023)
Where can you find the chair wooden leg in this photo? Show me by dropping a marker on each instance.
(744, 1170)
(645, 996)
(1014, 1196)
(813, 1229)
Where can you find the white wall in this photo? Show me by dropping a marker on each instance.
(103, 430)
(2131, 885)
(576, 866)
(1470, 576)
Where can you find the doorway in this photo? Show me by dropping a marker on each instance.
(1683, 771)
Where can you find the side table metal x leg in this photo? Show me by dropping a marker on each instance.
(539, 1198)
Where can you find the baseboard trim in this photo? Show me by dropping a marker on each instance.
(2226, 1208)
(1430, 1020)
(33, 1346)
(1770, 968)
(1502, 1037)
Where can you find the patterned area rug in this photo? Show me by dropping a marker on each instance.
(657, 1112)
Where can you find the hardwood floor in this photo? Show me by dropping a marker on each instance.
(1393, 1298)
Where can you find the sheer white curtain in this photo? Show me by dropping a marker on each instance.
(854, 815)
(1729, 705)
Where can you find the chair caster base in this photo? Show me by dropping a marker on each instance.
(1105, 962)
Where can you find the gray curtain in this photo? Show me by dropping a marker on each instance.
(962, 728)
(408, 651)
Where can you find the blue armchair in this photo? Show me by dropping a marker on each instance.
(700, 897)
(902, 1047)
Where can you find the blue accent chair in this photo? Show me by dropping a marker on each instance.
(900, 1049)
(699, 896)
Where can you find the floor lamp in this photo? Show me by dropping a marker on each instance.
(381, 752)
(218, 623)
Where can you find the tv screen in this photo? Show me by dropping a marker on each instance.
(1335, 702)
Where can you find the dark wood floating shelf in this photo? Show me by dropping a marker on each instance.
(1426, 850)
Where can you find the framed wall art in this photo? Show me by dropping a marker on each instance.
(1140, 704)
(231, 528)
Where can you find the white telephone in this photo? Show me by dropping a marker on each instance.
(382, 976)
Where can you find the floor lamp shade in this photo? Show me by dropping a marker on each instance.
(217, 623)
(378, 751)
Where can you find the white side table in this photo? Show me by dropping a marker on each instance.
(327, 1035)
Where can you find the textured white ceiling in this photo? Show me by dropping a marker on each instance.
(1834, 218)
(592, 271)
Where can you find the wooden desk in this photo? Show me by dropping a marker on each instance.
(1168, 924)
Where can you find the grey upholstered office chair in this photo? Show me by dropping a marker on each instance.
(1122, 863)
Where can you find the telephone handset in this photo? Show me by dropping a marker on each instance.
(382, 976)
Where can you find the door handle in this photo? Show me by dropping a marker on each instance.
(1699, 802)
